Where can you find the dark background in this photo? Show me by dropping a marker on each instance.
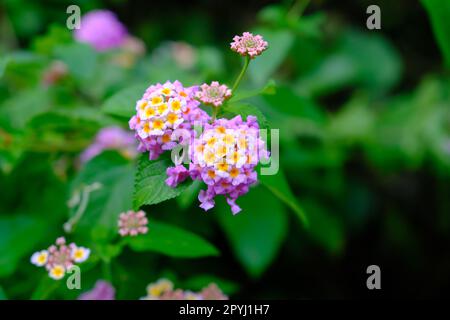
(403, 208)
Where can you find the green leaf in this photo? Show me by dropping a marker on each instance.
(55, 36)
(188, 196)
(2, 294)
(325, 228)
(150, 186)
(107, 252)
(279, 186)
(80, 58)
(15, 232)
(354, 122)
(70, 118)
(46, 287)
(311, 26)
(210, 62)
(439, 13)
(123, 103)
(3, 63)
(244, 109)
(257, 232)
(355, 62)
(268, 89)
(22, 69)
(114, 174)
(172, 241)
(280, 42)
(286, 101)
(16, 112)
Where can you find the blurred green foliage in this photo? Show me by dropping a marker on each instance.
(354, 145)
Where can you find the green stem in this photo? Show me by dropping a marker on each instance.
(241, 75)
(215, 110)
(84, 201)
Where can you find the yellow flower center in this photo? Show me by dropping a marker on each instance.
(176, 105)
(234, 172)
(221, 129)
(157, 100)
(200, 148)
(221, 151)
(211, 141)
(79, 254)
(146, 127)
(211, 174)
(162, 108)
(222, 167)
(149, 112)
(209, 157)
(143, 105)
(158, 124)
(228, 139)
(165, 138)
(242, 143)
(155, 291)
(42, 258)
(172, 118)
(58, 271)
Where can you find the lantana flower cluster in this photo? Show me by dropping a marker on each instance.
(59, 258)
(224, 157)
(214, 94)
(163, 109)
(249, 45)
(163, 289)
(132, 223)
(102, 290)
(111, 138)
(102, 30)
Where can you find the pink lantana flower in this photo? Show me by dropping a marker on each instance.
(111, 138)
(59, 258)
(132, 223)
(102, 290)
(163, 289)
(102, 30)
(214, 94)
(165, 115)
(176, 175)
(224, 157)
(249, 45)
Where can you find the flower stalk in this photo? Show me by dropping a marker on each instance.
(241, 75)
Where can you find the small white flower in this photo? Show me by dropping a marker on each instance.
(189, 295)
(57, 272)
(158, 126)
(158, 288)
(144, 131)
(80, 254)
(147, 113)
(177, 105)
(156, 100)
(167, 89)
(141, 105)
(39, 258)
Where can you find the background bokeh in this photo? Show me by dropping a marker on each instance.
(364, 125)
